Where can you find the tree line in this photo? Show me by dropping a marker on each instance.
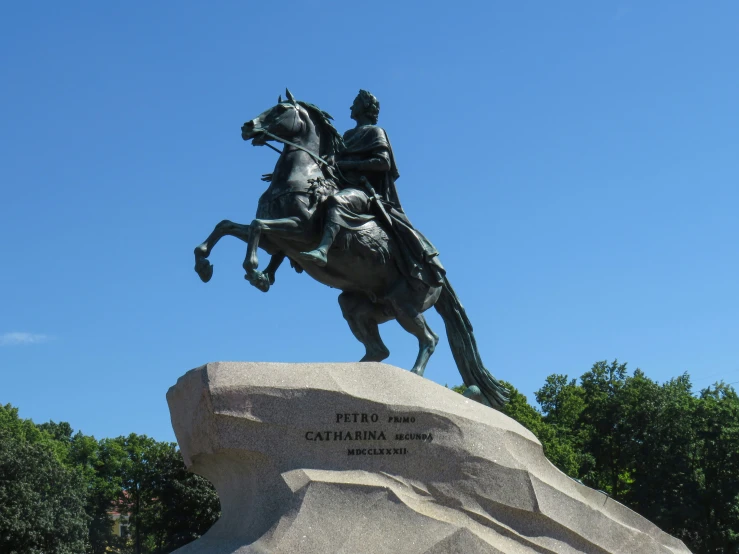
(663, 450)
(59, 491)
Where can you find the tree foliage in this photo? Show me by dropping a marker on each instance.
(668, 453)
(169, 506)
(59, 489)
(41, 501)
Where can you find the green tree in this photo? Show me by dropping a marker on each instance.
(61, 432)
(101, 463)
(41, 501)
(660, 453)
(58, 488)
(183, 506)
(22, 429)
(717, 423)
(562, 403)
(136, 473)
(603, 433)
(168, 506)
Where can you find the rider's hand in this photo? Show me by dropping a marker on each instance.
(330, 159)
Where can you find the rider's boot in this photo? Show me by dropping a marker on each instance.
(319, 256)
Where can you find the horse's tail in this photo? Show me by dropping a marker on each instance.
(464, 350)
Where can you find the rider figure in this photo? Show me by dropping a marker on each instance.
(368, 168)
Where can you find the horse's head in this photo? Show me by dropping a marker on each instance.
(284, 120)
(298, 123)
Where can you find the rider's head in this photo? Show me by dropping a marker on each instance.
(367, 105)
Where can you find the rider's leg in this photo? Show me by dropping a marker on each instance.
(319, 256)
(340, 207)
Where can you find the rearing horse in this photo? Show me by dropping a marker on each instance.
(363, 263)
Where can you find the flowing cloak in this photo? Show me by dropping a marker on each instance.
(370, 147)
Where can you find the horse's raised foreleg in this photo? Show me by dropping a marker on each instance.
(279, 227)
(225, 228)
(274, 263)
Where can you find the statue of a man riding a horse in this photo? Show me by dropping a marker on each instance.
(332, 209)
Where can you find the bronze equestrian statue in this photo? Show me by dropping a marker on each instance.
(332, 209)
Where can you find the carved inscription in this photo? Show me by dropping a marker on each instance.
(365, 428)
(345, 436)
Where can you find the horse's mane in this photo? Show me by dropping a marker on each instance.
(331, 141)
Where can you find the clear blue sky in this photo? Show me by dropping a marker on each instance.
(576, 163)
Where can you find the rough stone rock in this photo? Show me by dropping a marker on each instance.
(355, 458)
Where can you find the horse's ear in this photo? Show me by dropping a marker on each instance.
(279, 99)
(290, 97)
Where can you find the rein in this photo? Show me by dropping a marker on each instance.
(318, 159)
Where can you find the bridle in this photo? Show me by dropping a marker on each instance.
(318, 159)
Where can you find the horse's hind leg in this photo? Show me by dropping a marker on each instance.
(427, 339)
(413, 321)
(362, 316)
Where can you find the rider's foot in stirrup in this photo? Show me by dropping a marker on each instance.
(317, 256)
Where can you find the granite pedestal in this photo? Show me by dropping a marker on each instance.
(369, 458)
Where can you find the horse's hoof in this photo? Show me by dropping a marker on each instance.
(259, 280)
(204, 269)
(375, 356)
